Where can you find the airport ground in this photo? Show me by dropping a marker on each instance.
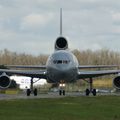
(53, 107)
(72, 90)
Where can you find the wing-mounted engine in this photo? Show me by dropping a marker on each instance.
(116, 82)
(61, 44)
(4, 81)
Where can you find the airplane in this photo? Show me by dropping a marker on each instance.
(61, 67)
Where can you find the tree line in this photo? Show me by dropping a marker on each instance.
(99, 57)
(12, 58)
(85, 57)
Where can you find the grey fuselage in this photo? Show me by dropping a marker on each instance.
(62, 66)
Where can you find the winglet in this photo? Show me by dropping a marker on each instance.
(60, 21)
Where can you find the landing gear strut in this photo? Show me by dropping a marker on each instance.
(91, 90)
(28, 92)
(31, 90)
(61, 89)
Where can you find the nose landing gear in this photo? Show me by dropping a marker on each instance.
(62, 89)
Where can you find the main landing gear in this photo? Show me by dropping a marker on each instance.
(32, 90)
(62, 89)
(29, 91)
(90, 90)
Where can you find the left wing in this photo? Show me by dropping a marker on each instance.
(29, 73)
(91, 74)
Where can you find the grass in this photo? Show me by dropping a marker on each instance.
(68, 108)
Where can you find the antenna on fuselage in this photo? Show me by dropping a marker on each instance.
(60, 21)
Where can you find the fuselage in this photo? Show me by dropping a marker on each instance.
(62, 66)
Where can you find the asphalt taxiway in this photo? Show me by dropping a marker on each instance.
(50, 95)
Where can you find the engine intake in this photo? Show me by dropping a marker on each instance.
(116, 82)
(4, 81)
(61, 44)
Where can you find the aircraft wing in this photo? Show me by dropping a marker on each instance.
(29, 73)
(26, 66)
(91, 74)
(96, 66)
(44, 67)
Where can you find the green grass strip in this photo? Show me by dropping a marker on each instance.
(68, 108)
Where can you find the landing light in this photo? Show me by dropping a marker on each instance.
(44, 72)
(62, 85)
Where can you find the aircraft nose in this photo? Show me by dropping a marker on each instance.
(62, 68)
(62, 75)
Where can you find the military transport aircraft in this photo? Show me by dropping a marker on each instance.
(61, 67)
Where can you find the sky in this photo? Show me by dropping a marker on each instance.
(32, 26)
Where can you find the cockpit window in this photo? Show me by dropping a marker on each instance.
(61, 61)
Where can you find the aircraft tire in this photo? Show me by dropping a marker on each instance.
(60, 92)
(87, 92)
(94, 92)
(64, 92)
(35, 92)
(28, 92)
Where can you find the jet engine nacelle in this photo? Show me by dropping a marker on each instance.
(4, 81)
(116, 82)
(61, 44)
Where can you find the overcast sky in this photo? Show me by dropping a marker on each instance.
(32, 26)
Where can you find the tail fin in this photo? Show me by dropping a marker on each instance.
(60, 21)
(61, 42)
